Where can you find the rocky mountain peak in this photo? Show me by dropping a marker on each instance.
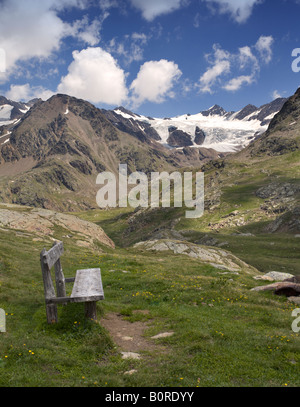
(215, 110)
(282, 135)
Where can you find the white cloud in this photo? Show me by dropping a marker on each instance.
(236, 83)
(155, 82)
(209, 78)
(246, 64)
(26, 93)
(276, 95)
(247, 58)
(86, 31)
(29, 29)
(94, 75)
(130, 48)
(264, 47)
(240, 10)
(154, 8)
(220, 65)
(33, 29)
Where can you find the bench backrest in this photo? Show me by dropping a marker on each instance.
(48, 260)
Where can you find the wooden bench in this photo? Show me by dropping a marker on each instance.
(87, 286)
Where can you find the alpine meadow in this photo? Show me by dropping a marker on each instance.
(149, 196)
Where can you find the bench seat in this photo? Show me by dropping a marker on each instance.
(87, 286)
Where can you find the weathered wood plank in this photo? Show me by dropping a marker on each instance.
(88, 283)
(51, 312)
(74, 299)
(59, 280)
(48, 284)
(53, 254)
(59, 300)
(91, 310)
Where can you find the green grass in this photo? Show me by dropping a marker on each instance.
(225, 335)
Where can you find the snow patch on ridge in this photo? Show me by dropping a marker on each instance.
(224, 133)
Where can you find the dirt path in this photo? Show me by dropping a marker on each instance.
(129, 336)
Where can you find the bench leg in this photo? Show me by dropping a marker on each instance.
(51, 311)
(91, 310)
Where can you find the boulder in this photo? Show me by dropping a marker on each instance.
(286, 288)
(294, 300)
(216, 257)
(274, 276)
(43, 222)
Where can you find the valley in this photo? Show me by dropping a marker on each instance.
(165, 273)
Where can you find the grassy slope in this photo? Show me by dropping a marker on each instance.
(238, 183)
(225, 335)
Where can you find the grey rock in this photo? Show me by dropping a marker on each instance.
(163, 335)
(274, 276)
(217, 257)
(130, 355)
(294, 300)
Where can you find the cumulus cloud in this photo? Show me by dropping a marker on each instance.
(94, 75)
(245, 64)
(209, 78)
(220, 65)
(26, 92)
(155, 81)
(276, 94)
(236, 83)
(240, 10)
(28, 29)
(264, 47)
(86, 31)
(154, 8)
(130, 48)
(33, 29)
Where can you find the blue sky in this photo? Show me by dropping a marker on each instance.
(159, 58)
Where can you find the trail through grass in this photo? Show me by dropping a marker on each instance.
(224, 334)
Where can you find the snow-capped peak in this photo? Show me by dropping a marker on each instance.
(221, 130)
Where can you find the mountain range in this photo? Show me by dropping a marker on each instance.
(51, 155)
(51, 151)
(213, 128)
(11, 112)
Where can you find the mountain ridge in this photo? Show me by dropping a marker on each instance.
(221, 130)
(52, 156)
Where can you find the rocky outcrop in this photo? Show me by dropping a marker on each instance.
(218, 258)
(246, 111)
(199, 136)
(274, 276)
(281, 136)
(279, 198)
(143, 131)
(179, 138)
(285, 288)
(215, 110)
(41, 223)
(277, 191)
(289, 222)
